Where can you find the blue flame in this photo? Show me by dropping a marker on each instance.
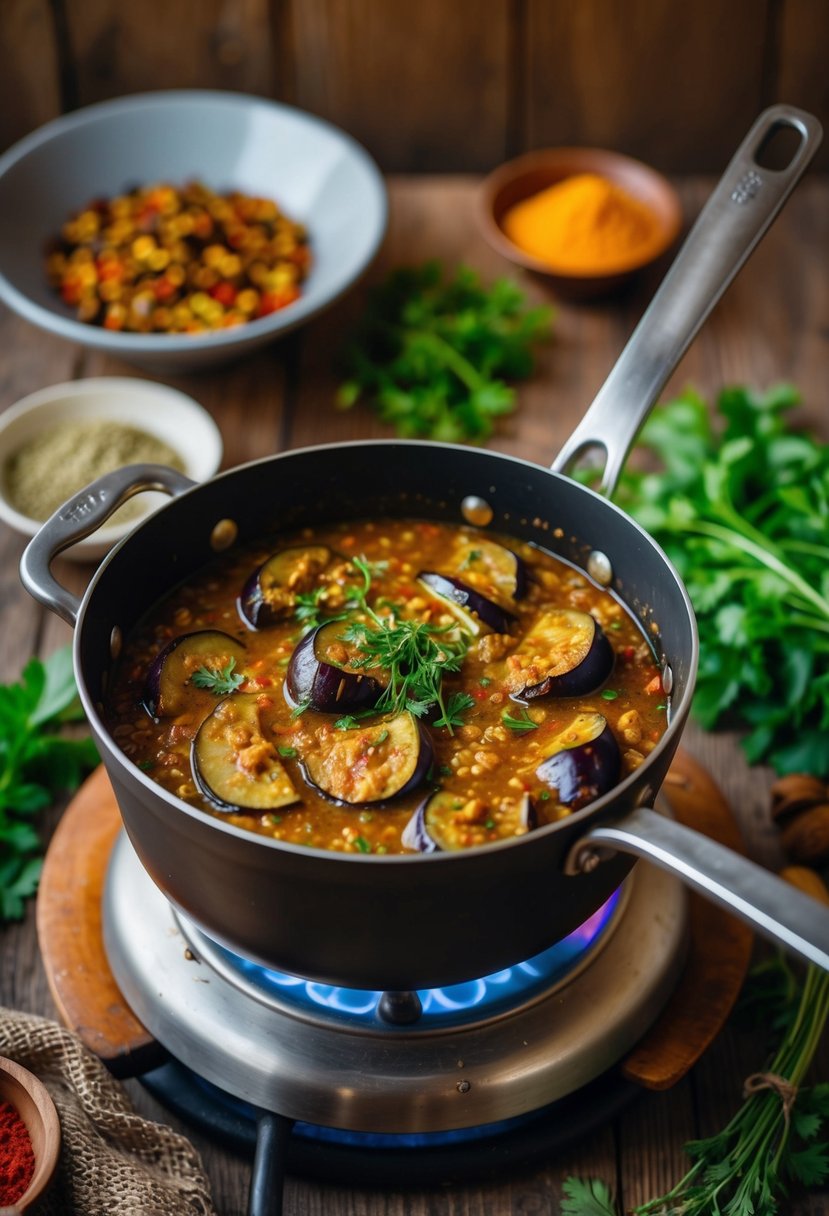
(441, 1006)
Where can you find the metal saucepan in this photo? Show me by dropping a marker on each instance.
(405, 922)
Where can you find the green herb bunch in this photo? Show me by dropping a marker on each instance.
(776, 1137)
(773, 1138)
(35, 763)
(741, 506)
(433, 357)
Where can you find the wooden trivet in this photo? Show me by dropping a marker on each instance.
(89, 1002)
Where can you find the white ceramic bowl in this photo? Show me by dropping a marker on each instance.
(159, 411)
(319, 175)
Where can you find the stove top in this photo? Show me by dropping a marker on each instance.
(458, 1057)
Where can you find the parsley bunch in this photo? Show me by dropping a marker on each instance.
(741, 507)
(35, 762)
(433, 357)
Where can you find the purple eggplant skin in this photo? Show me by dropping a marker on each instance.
(323, 686)
(583, 773)
(214, 762)
(430, 828)
(459, 593)
(254, 606)
(585, 677)
(341, 767)
(164, 687)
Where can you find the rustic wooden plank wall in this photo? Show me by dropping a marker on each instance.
(436, 86)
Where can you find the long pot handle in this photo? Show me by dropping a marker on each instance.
(770, 905)
(736, 216)
(78, 518)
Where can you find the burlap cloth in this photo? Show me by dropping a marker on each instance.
(113, 1161)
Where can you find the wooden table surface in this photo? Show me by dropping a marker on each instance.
(772, 325)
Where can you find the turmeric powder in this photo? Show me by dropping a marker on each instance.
(584, 225)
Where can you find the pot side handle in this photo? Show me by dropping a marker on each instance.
(773, 907)
(78, 518)
(732, 222)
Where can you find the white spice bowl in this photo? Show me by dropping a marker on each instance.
(155, 409)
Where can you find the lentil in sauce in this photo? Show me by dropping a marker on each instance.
(217, 694)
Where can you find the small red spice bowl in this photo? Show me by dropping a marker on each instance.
(30, 1099)
(533, 172)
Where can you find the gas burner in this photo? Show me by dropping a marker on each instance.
(460, 1057)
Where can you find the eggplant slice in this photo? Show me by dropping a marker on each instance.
(494, 569)
(321, 673)
(564, 654)
(474, 612)
(235, 765)
(582, 762)
(167, 688)
(378, 760)
(447, 821)
(269, 595)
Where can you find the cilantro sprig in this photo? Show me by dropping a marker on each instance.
(36, 762)
(740, 505)
(414, 654)
(221, 681)
(433, 357)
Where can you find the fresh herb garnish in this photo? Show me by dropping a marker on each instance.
(609, 694)
(485, 681)
(741, 508)
(35, 763)
(362, 844)
(587, 1197)
(524, 722)
(432, 356)
(772, 1139)
(221, 681)
(456, 707)
(381, 738)
(308, 608)
(415, 655)
(288, 752)
(474, 555)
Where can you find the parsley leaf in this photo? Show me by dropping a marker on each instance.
(456, 706)
(221, 681)
(433, 356)
(35, 763)
(740, 506)
(587, 1197)
(524, 722)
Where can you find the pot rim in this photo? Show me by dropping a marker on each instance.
(596, 808)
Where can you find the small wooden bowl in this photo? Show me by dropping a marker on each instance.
(31, 1100)
(518, 179)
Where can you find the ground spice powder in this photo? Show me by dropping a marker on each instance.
(17, 1159)
(583, 225)
(52, 466)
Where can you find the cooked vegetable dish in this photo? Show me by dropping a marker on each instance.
(384, 687)
(162, 259)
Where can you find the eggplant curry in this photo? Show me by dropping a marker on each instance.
(384, 687)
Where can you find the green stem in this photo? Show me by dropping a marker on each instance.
(453, 359)
(810, 548)
(746, 545)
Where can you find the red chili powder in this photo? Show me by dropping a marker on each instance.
(17, 1160)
